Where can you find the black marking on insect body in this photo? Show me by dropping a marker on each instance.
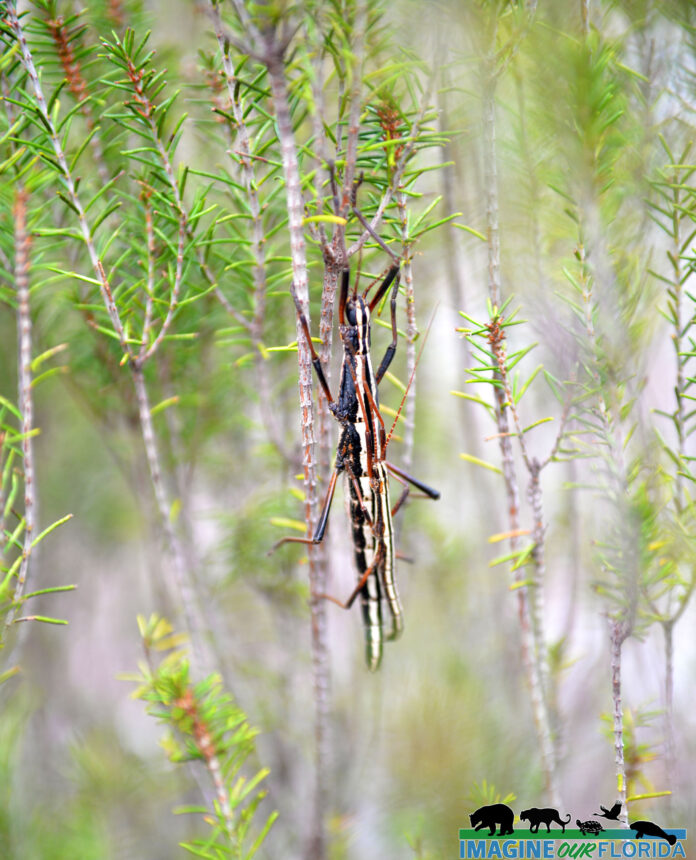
(361, 457)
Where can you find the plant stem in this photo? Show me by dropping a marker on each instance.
(182, 575)
(258, 240)
(24, 395)
(104, 286)
(273, 58)
(531, 655)
(411, 332)
(618, 635)
(135, 364)
(491, 183)
(670, 749)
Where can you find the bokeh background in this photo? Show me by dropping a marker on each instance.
(593, 114)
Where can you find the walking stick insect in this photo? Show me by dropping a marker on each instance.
(361, 455)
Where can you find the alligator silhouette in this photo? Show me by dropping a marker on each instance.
(647, 828)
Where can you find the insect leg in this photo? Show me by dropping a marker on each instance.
(320, 530)
(361, 583)
(391, 349)
(368, 227)
(316, 361)
(404, 494)
(424, 488)
(343, 296)
(375, 411)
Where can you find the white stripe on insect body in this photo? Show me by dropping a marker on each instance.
(361, 457)
(383, 527)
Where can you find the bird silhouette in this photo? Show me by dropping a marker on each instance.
(612, 814)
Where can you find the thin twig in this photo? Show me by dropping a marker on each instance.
(184, 585)
(358, 51)
(104, 286)
(148, 115)
(530, 636)
(150, 283)
(273, 57)
(175, 289)
(397, 176)
(78, 87)
(258, 239)
(186, 591)
(618, 633)
(411, 331)
(24, 396)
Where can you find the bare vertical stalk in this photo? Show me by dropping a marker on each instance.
(534, 495)
(24, 395)
(491, 183)
(273, 57)
(618, 634)
(529, 639)
(135, 363)
(411, 332)
(670, 749)
(450, 187)
(676, 293)
(358, 51)
(530, 635)
(585, 15)
(680, 391)
(184, 585)
(258, 239)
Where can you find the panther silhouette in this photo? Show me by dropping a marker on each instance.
(490, 816)
(542, 816)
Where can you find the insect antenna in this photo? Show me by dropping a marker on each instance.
(383, 245)
(357, 273)
(412, 377)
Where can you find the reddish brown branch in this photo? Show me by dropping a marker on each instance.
(63, 39)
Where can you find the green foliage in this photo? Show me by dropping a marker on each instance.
(638, 753)
(485, 794)
(156, 202)
(204, 725)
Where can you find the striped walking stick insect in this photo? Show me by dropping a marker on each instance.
(361, 456)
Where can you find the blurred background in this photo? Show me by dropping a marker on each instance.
(593, 117)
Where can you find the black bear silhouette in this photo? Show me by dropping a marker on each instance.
(647, 828)
(490, 816)
(612, 814)
(535, 817)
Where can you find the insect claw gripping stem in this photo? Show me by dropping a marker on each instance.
(361, 455)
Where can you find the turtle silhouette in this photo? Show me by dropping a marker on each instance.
(647, 828)
(611, 814)
(586, 827)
